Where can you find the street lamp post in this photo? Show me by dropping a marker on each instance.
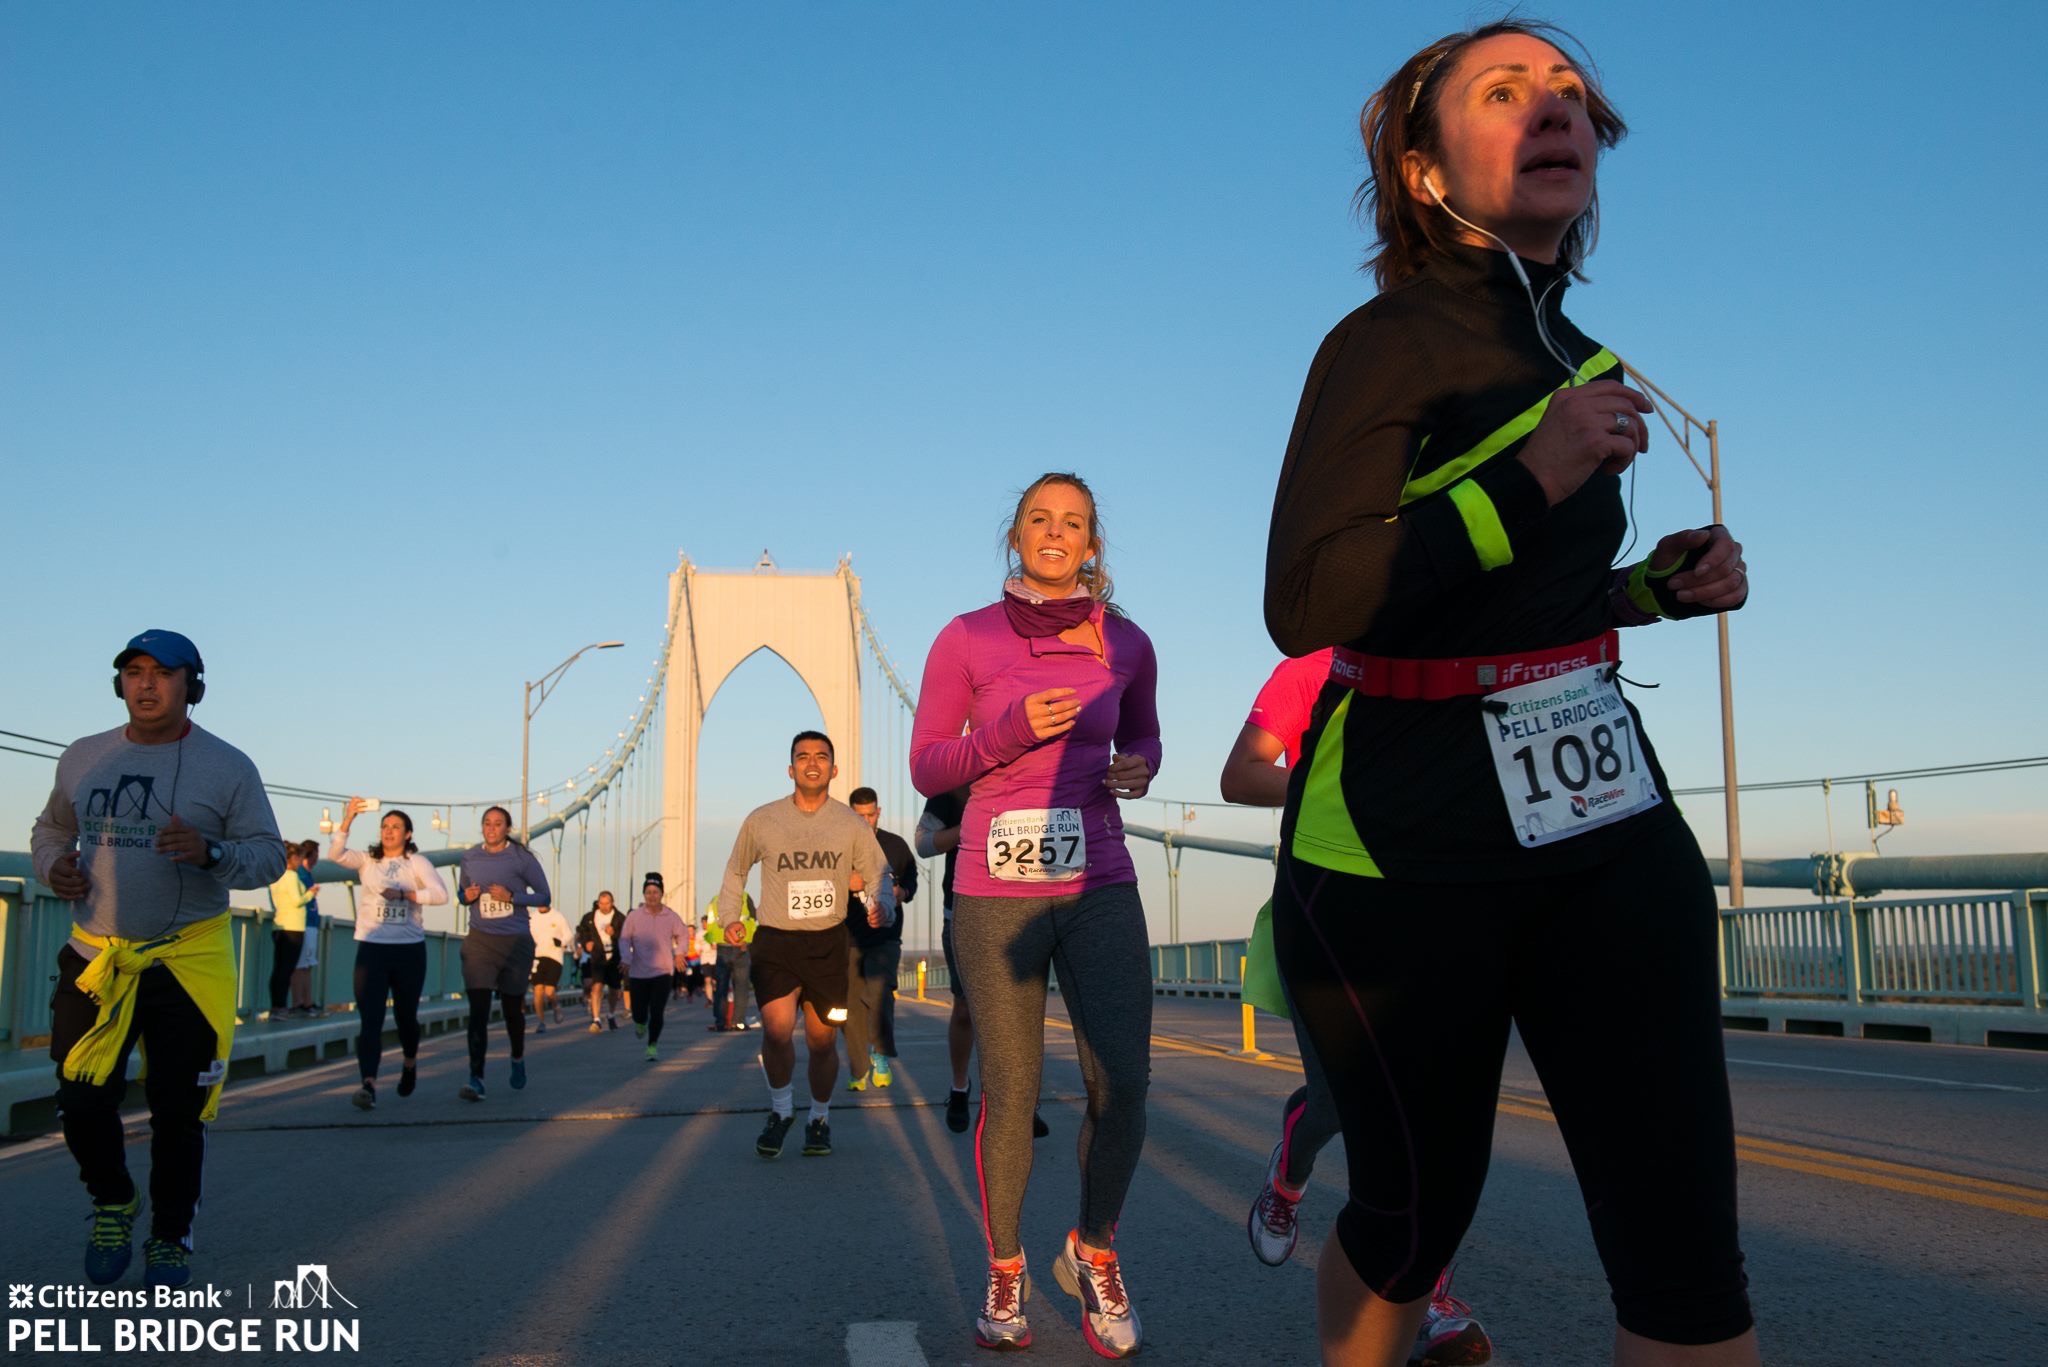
(543, 687)
(633, 850)
(1711, 476)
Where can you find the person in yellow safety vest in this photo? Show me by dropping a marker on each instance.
(733, 993)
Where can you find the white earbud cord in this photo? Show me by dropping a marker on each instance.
(1550, 345)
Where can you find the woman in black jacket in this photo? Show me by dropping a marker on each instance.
(1478, 825)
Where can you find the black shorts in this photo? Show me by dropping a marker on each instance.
(547, 972)
(813, 961)
(499, 963)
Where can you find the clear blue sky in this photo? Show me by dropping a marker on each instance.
(393, 352)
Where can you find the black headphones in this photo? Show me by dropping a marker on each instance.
(195, 687)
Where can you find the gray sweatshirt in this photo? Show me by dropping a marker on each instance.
(112, 797)
(805, 859)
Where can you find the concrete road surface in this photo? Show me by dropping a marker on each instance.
(1895, 1210)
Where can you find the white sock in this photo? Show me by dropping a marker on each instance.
(821, 1110)
(779, 1101)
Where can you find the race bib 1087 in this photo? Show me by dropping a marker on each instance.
(1046, 845)
(1565, 752)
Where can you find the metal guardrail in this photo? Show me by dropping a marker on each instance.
(1967, 951)
(34, 923)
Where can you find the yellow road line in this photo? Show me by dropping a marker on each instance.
(2037, 1209)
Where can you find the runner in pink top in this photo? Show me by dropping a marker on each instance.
(1055, 691)
(1256, 774)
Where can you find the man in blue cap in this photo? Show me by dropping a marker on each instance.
(147, 829)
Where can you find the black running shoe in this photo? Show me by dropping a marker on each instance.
(1039, 1129)
(956, 1111)
(818, 1139)
(769, 1145)
(408, 1078)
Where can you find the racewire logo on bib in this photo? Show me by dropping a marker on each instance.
(312, 1318)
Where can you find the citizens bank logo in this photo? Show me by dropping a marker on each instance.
(311, 1288)
(308, 1315)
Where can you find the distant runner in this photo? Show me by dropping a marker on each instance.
(500, 880)
(650, 947)
(396, 882)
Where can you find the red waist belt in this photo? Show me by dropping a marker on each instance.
(1382, 676)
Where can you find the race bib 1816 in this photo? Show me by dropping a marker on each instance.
(490, 908)
(1047, 845)
(811, 898)
(1565, 752)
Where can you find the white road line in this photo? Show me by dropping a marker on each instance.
(884, 1343)
(1889, 1077)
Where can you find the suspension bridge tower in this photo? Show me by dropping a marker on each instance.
(810, 620)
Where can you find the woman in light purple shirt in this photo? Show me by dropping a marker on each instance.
(1055, 690)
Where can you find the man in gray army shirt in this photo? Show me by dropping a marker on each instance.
(813, 852)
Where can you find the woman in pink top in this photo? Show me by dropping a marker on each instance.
(1054, 688)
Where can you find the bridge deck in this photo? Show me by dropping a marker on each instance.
(1895, 1208)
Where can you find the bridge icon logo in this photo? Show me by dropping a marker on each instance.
(310, 1288)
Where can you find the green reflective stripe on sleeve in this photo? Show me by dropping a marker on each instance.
(1482, 524)
(1502, 437)
(1323, 831)
(1639, 588)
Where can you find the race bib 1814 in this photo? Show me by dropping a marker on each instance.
(1565, 752)
(1046, 845)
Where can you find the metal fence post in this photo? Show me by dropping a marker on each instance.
(2028, 915)
(1864, 963)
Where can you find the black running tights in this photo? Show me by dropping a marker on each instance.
(1611, 977)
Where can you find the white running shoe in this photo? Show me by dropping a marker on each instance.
(1272, 1221)
(1001, 1324)
(1449, 1336)
(1107, 1321)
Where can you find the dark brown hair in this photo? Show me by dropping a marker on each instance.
(1402, 117)
(377, 845)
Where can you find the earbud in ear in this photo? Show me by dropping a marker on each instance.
(1429, 184)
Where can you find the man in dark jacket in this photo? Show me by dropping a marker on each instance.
(597, 951)
(874, 954)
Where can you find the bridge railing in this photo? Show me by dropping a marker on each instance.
(1973, 951)
(35, 923)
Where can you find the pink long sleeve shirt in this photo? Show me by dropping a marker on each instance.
(977, 675)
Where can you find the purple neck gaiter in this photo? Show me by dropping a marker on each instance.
(1032, 616)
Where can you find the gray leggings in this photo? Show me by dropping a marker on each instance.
(1096, 941)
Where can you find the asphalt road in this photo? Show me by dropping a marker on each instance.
(1895, 1209)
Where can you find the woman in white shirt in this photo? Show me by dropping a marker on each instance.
(391, 940)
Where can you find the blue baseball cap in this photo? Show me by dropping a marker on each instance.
(167, 648)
